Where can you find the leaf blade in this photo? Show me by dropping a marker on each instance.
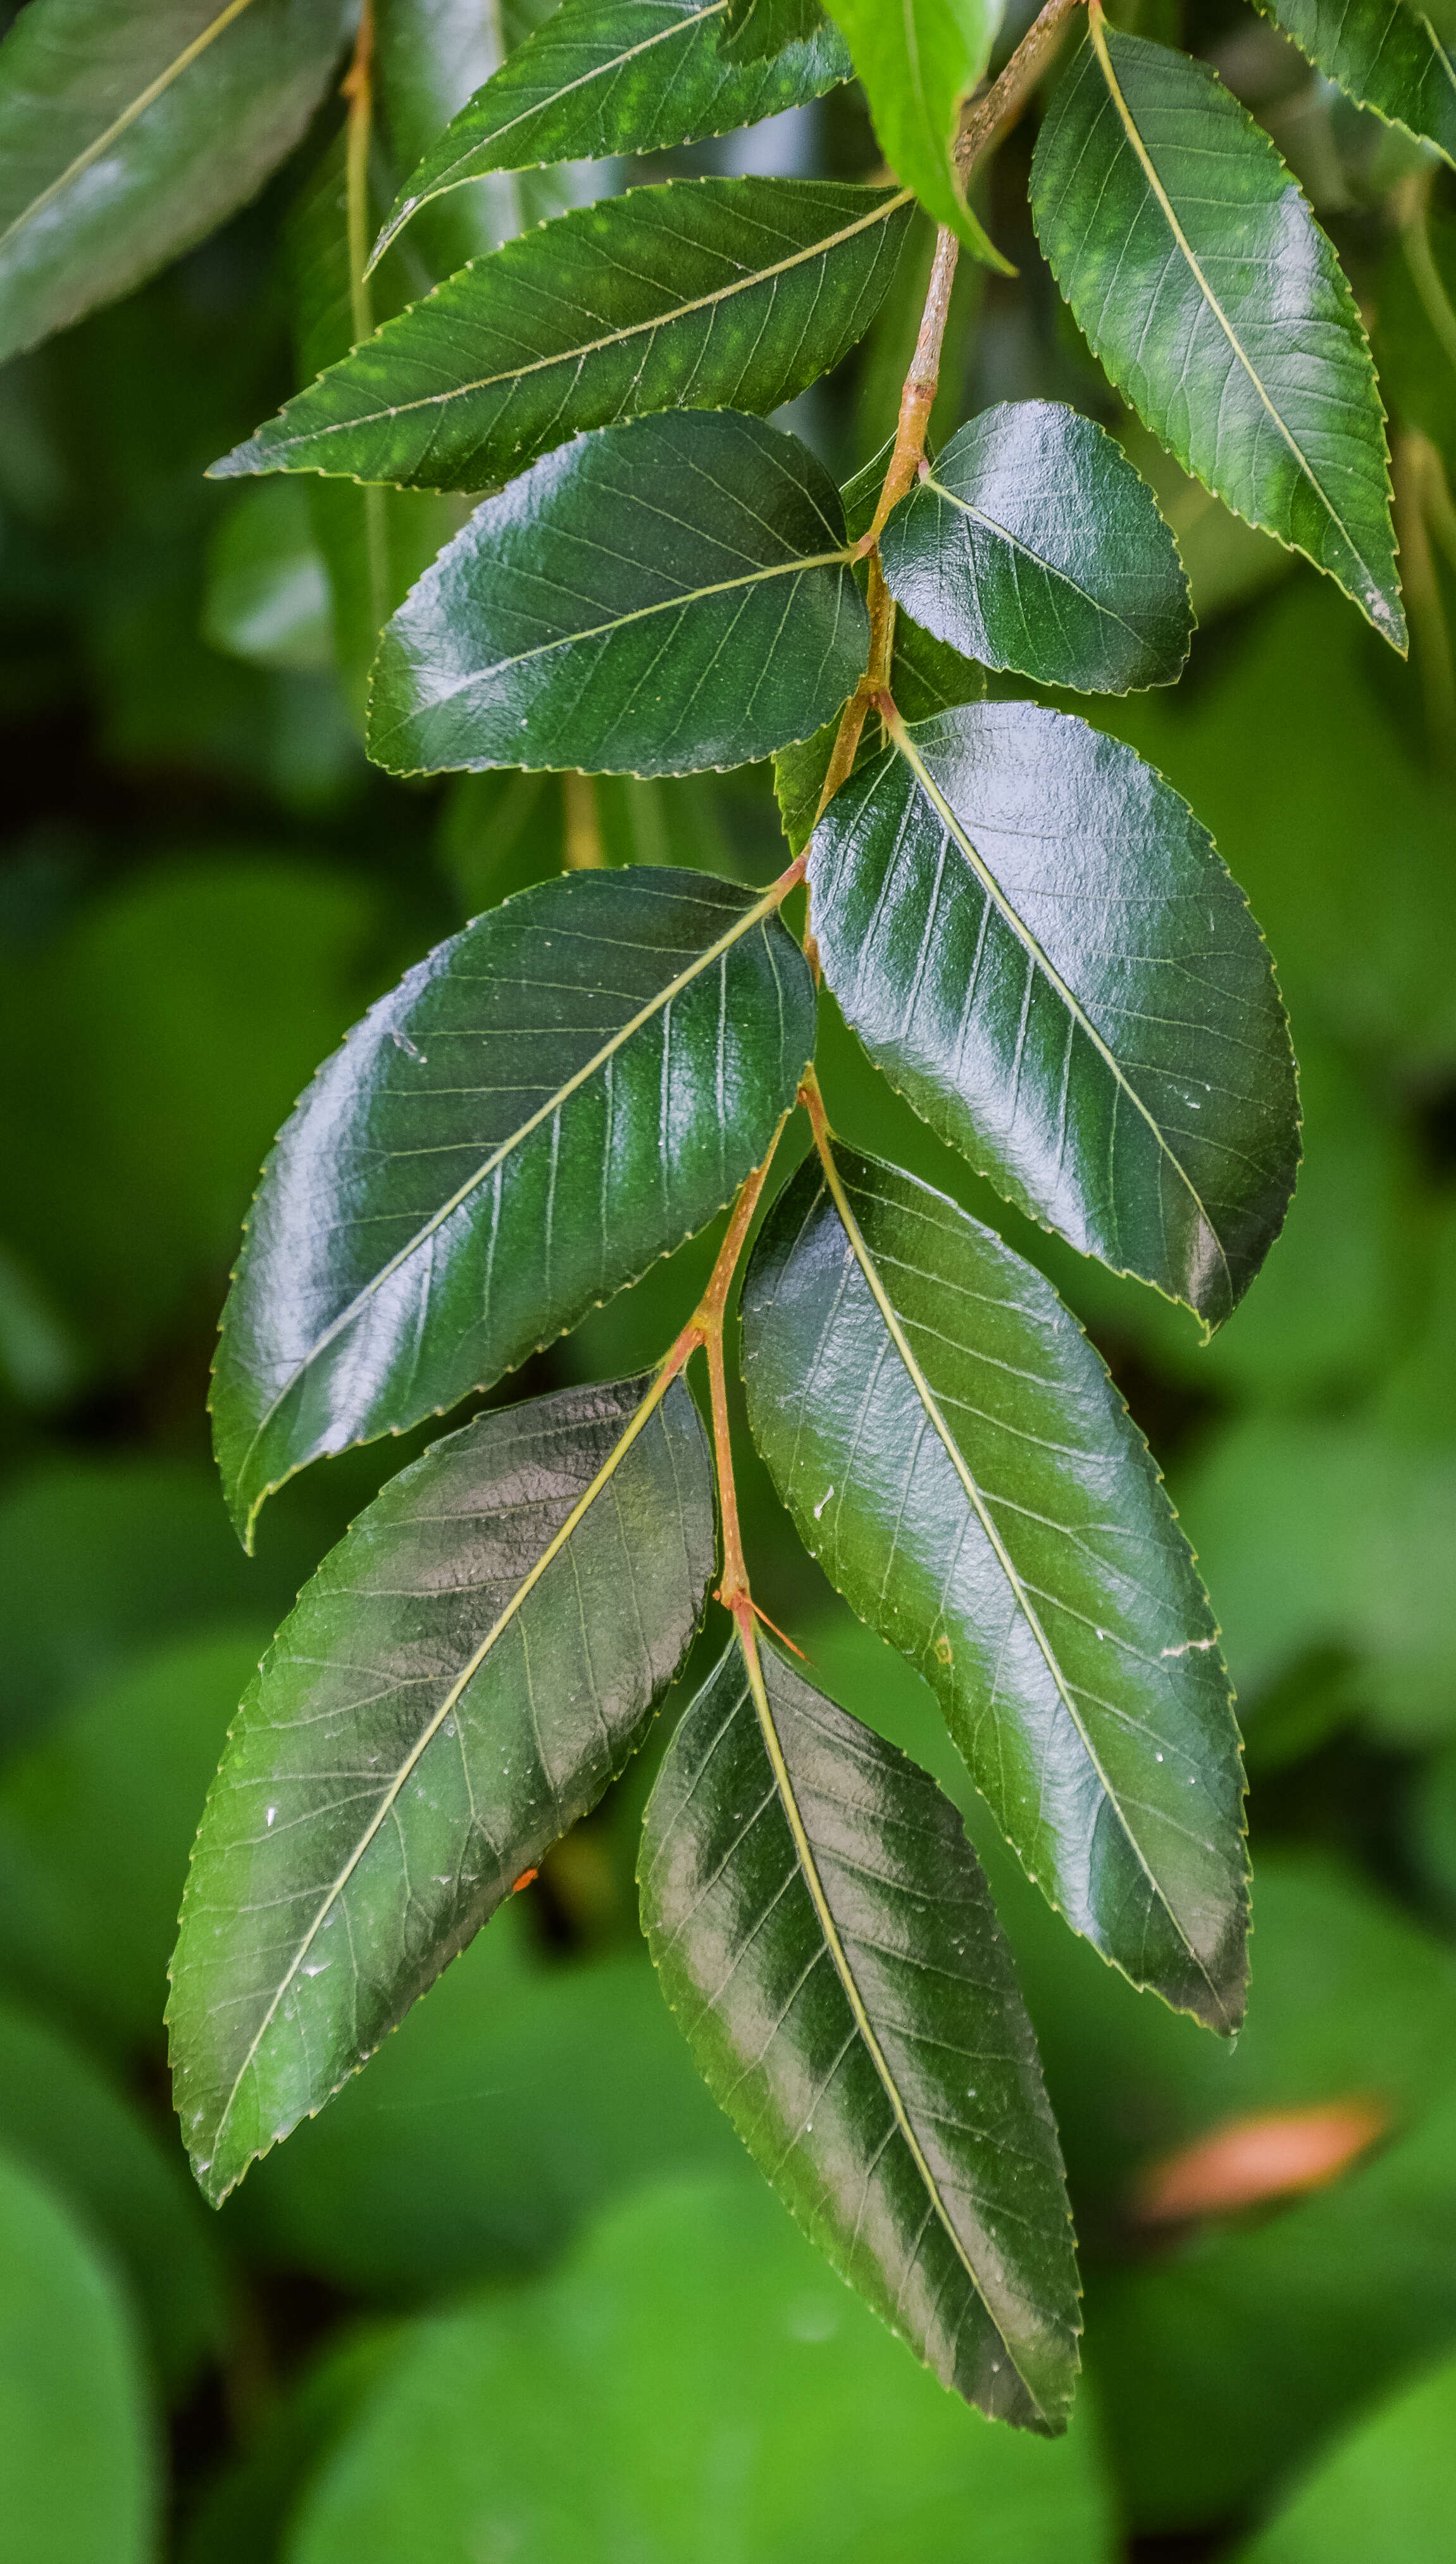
(1267, 396)
(611, 1053)
(488, 1644)
(841, 1872)
(1036, 941)
(721, 621)
(1385, 55)
(1031, 544)
(899, 1356)
(920, 64)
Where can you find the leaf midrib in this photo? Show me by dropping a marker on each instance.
(810, 1870)
(589, 347)
(641, 1417)
(120, 124)
(931, 1406)
(1036, 954)
(762, 907)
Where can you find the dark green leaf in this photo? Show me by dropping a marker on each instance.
(1384, 54)
(462, 1677)
(125, 136)
(920, 62)
(608, 77)
(826, 1939)
(551, 1101)
(1032, 543)
(1216, 304)
(757, 30)
(733, 292)
(726, 2398)
(77, 2467)
(1033, 936)
(653, 599)
(954, 1453)
(925, 677)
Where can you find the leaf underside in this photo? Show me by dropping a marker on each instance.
(725, 292)
(954, 1453)
(1038, 943)
(458, 1684)
(1205, 285)
(547, 1103)
(826, 1940)
(655, 599)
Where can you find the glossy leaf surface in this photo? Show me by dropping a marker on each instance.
(458, 1684)
(547, 1104)
(920, 62)
(126, 135)
(733, 292)
(1035, 940)
(1216, 304)
(1384, 54)
(1032, 543)
(827, 1942)
(653, 599)
(955, 1456)
(608, 77)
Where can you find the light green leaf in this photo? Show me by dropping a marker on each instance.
(126, 135)
(954, 1455)
(464, 1676)
(653, 599)
(606, 77)
(1386, 2494)
(920, 61)
(76, 2459)
(1384, 54)
(731, 293)
(1031, 544)
(1033, 936)
(827, 1942)
(1207, 289)
(550, 1102)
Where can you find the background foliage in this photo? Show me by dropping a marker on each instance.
(521, 2272)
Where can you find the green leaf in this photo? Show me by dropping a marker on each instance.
(728, 293)
(653, 599)
(126, 136)
(1384, 54)
(1031, 544)
(607, 76)
(925, 677)
(954, 1455)
(1035, 940)
(827, 1942)
(1386, 2494)
(267, 595)
(551, 1101)
(757, 30)
(728, 2397)
(1197, 270)
(431, 56)
(77, 2467)
(920, 63)
(466, 1673)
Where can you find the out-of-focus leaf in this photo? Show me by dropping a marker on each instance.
(1384, 54)
(76, 2456)
(1032, 543)
(268, 595)
(719, 622)
(799, 1873)
(733, 293)
(603, 77)
(1386, 2494)
(1415, 328)
(41, 1362)
(126, 135)
(484, 1651)
(920, 63)
(430, 58)
(1131, 1085)
(62, 2119)
(243, 2515)
(1197, 270)
(954, 1453)
(722, 2383)
(1433, 1826)
(95, 1824)
(588, 1073)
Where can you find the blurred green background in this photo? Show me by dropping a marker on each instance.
(517, 2294)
